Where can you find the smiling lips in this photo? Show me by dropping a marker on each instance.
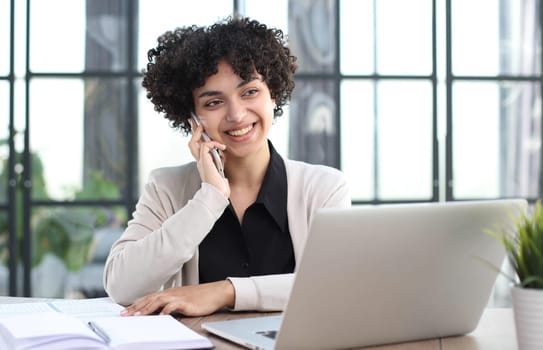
(241, 132)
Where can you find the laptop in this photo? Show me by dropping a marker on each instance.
(372, 275)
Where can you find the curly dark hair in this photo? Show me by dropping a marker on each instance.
(186, 57)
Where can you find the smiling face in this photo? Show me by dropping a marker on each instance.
(235, 112)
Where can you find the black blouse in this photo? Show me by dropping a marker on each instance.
(261, 245)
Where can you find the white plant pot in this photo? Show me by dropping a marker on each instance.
(528, 312)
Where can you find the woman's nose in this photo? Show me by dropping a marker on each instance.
(236, 112)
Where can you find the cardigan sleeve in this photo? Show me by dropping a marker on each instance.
(159, 240)
(262, 293)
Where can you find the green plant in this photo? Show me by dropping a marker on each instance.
(524, 248)
(39, 190)
(66, 232)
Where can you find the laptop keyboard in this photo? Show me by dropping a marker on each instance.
(269, 334)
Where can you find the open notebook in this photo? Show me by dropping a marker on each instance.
(53, 330)
(90, 324)
(372, 275)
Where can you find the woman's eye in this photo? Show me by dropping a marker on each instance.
(212, 103)
(250, 92)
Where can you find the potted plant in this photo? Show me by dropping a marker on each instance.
(524, 249)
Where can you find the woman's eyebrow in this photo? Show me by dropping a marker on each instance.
(209, 93)
(245, 82)
(216, 92)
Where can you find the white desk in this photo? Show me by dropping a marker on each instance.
(495, 331)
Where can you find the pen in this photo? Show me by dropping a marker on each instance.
(99, 331)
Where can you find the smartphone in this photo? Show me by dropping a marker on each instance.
(214, 152)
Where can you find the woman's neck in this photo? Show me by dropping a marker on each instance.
(248, 171)
(245, 176)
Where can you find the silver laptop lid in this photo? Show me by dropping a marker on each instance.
(383, 274)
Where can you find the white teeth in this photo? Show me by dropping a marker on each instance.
(240, 132)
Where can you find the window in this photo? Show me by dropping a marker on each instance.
(422, 100)
(494, 95)
(84, 132)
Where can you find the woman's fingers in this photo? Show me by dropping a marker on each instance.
(196, 300)
(194, 142)
(202, 151)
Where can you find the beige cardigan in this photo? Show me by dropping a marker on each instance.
(159, 248)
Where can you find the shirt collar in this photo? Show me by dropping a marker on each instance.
(273, 193)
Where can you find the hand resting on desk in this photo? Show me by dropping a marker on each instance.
(194, 300)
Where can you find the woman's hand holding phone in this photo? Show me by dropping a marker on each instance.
(214, 152)
(202, 150)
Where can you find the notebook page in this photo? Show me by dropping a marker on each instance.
(7, 310)
(87, 308)
(81, 308)
(48, 330)
(150, 332)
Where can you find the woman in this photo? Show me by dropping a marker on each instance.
(198, 241)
